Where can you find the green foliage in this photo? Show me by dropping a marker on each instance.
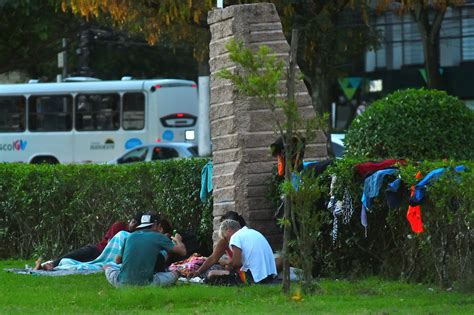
(443, 253)
(30, 36)
(413, 124)
(306, 223)
(262, 72)
(50, 209)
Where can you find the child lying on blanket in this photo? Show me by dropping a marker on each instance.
(91, 251)
(113, 248)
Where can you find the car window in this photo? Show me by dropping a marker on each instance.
(137, 155)
(193, 150)
(163, 153)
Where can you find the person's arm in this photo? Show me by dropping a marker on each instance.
(217, 253)
(118, 258)
(236, 261)
(178, 247)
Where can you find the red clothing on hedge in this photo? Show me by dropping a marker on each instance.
(114, 229)
(367, 167)
(414, 212)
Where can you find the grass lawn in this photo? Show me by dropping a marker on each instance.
(87, 294)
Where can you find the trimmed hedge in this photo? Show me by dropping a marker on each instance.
(443, 253)
(47, 210)
(414, 124)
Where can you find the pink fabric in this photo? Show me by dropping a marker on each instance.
(187, 266)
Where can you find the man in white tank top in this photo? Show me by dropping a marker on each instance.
(251, 251)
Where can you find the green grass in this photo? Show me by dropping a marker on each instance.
(88, 294)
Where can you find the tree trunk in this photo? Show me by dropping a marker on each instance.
(432, 64)
(321, 97)
(429, 31)
(321, 94)
(287, 210)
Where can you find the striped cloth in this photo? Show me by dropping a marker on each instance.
(107, 257)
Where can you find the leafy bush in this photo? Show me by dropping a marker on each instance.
(50, 209)
(443, 253)
(415, 124)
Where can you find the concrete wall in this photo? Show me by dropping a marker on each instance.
(241, 129)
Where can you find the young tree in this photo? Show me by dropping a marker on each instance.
(259, 75)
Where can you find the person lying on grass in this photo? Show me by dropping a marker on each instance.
(222, 253)
(92, 251)
(252, 257)
(139, 254)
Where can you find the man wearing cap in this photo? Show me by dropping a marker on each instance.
(139, 255)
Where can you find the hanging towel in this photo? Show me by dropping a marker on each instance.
(206, 181)
(372, 186)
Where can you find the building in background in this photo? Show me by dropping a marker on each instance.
(398, 63)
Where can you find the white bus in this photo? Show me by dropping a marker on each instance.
(93, 121)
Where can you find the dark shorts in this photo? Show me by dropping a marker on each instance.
(238, 278)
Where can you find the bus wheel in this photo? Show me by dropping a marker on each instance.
(44, 160)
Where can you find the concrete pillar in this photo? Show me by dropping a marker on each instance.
(241, 129)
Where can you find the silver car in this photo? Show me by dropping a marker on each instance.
(157, 152)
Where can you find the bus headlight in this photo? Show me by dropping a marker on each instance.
(189, 135)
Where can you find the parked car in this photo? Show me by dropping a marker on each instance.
(157, 152)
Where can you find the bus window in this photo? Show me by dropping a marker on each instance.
(50, 113)
(12, 114)
(97, 112)
(133, 111)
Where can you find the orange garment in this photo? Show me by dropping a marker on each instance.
(281, 165)
(414, 212)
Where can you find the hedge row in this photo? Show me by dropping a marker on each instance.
(443, 253)
(46, 210)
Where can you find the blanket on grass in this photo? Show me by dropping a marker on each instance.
(69, 266)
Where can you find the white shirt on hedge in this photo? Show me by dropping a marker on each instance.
(257, 255)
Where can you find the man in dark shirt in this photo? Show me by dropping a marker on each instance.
(139, 255)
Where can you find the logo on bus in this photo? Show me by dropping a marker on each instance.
(18, 145)
(109, 144)
(132, 142)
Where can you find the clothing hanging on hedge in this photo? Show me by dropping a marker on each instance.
(364, 169)
(317, 167)
(432, 176)
(393, 194)
(372, 185)
(414, 212)
(339, 208)
(206, 181)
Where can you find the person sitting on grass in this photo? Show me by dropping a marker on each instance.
(252, 257)
(92, 251)
(139, 255)
(222, 253)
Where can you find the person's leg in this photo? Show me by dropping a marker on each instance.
(164, 278)
(83, 254)
(111, 274)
